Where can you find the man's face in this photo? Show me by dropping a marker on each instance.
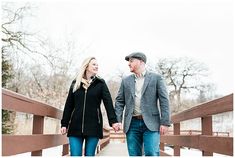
(134, 64)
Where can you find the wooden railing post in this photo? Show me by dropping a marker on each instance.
(176, 132)
(162, 145)
(105, 141)
(65, 149)
(38, 123)
(207, 130)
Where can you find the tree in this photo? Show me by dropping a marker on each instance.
(42, 67)
(7, 125)
(207, 92)
(15, 37)
(182, 75)
(6, 70)
(16, 41)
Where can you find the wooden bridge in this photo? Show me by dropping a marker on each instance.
(205, 140)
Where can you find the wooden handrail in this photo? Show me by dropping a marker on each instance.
(17, 144)
(16, 102)
(105, 141)
(205, 141)
(27, 143)
(205, 109)
(195, 132)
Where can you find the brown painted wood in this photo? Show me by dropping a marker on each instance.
(221, 145)
(216, 106)
(103, 142)
(182, 140)
(162, 145)
(38, 124)
(176, 132)
(193, 132)
(16, 144)
(15, 102)
(65, 149)
(207, 130)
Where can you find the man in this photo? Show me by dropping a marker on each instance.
(139, 94)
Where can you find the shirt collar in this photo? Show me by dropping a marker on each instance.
(142, 74)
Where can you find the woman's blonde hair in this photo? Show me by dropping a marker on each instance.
(82, 72)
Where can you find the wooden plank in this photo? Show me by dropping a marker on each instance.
(181, 140)
(176, 132)
(38, 124)
(221, 145)
(16, 144)
(162, 146)
(15, 102)
(117, 137)
(65, 149)
(216, 106)
(206, 130)
(103, 142)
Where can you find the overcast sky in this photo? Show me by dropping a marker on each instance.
(110, 30)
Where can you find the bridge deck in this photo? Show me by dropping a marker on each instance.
(114, 149)
(120, 149)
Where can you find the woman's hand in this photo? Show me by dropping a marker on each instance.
(63, 130)
(116, 126)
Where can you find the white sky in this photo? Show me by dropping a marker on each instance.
(201, 29)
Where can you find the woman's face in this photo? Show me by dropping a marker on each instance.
(92, 67)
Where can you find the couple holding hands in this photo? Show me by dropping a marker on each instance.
(142, 99)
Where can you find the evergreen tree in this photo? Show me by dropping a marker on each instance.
(7, 125)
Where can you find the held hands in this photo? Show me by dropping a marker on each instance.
(63, 130)
(116, 126)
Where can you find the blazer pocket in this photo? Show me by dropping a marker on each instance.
(155, 113)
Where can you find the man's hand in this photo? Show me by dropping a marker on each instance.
(163, 129)
(116, 126)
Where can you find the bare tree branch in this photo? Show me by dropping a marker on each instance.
(181, 74)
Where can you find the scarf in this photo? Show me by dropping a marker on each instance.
(86, 83)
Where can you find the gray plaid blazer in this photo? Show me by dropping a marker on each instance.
(154, 93)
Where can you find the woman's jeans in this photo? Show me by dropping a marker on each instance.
(139, 135)
(76, 144)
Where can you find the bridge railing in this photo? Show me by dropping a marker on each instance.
(105, 141)
(195, 132)
(119, 135)
(37, 141)
(205, 141)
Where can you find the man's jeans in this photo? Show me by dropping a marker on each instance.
(139, 135)
(77, 142)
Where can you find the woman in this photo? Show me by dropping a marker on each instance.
(82, 118)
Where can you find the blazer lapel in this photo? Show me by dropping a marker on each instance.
(132, 85)
(146, 82)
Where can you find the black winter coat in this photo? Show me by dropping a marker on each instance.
(82, 114)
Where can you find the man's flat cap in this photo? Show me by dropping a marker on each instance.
(137, 55)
